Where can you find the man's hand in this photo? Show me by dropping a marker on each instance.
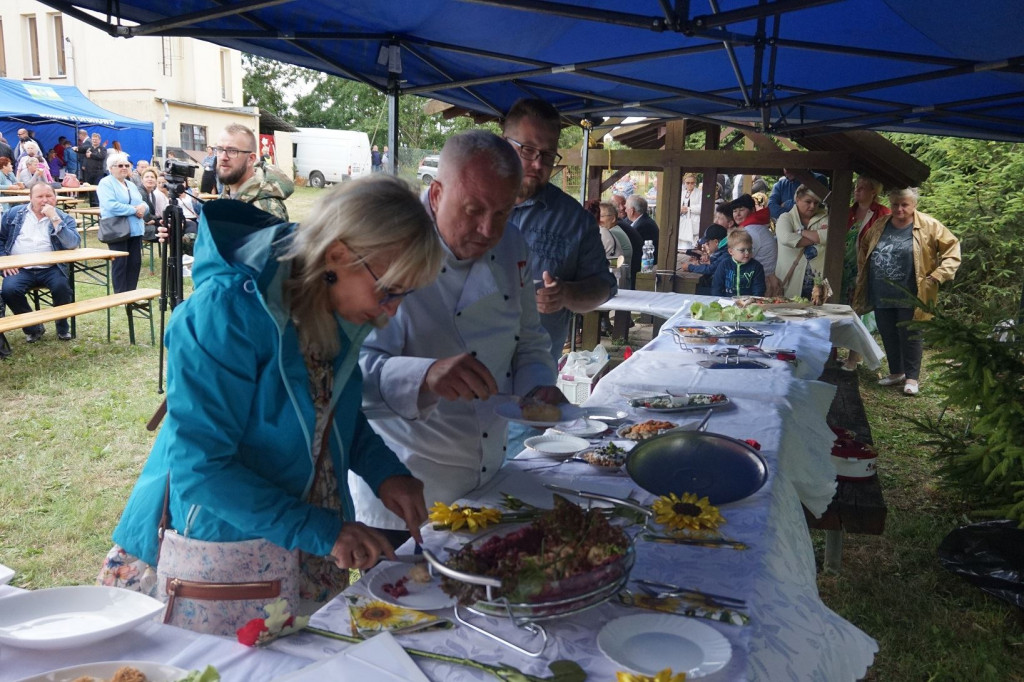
(359, 546)
(161, 233)
(552, 395)
(10, 272)
(551, 297)
(460, 377)
(403, 496)
(50, 212)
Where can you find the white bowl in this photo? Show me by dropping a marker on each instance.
(63, 617)
(556, 445)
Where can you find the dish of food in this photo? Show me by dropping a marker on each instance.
(542, 567)
(557, 445)
(113, 671)
(608, 457)
(514, 412)
(772, 302)
(647, 643)
(709, 336)
(716, 312)
(664, 402)
(645, 430)
(402, 584)
(63, 617)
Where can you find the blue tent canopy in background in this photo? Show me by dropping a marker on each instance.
(54, 110)
(787, 67)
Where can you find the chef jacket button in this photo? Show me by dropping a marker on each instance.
(444, 270)
(508, 374)
(493, 256)
(483, 468)
(517, 338)
(506, 297)
(504, 448)
(473, 353)
(458, 314)
(485, 434)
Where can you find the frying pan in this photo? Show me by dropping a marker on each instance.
(706, 464)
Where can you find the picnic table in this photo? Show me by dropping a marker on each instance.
(791, 634)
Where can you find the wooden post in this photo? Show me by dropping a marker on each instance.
(710, 175)
(838, 214)
(670, 192)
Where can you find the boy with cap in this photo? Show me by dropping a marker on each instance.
(741, 274)
(707, 265)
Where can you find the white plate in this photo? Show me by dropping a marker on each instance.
(647, 643)
(379, 658)
(5, 574)
(609, 415)
(685, 408)
(513, 412)
(584, 428)
(557, 445)
(422, 596)
(63, 617)
(154, 672)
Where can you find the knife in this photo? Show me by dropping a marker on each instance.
(709, 542)
(629, 504)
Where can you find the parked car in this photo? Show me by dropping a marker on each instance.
(323, 155)
(428, 169)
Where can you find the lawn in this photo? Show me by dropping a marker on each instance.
(74, 440)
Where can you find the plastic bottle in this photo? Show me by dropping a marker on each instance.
(647, 260)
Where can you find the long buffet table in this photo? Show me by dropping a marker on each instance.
(791, 633)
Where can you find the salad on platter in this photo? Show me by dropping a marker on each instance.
(716, 312)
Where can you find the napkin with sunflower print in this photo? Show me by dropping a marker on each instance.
(371, 616)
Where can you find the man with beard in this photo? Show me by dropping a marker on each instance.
(244, 179)
(565, 245)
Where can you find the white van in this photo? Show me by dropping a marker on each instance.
(322, 155)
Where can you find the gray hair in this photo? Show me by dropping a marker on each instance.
(116, 157)
(462, 148)
(903, 193)
(371, 215)
(32, 145)
(637, 203)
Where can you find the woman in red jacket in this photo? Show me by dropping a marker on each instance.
(863, 214)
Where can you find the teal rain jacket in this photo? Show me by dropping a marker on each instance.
(237, 438)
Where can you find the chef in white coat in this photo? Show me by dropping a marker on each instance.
(430, 375)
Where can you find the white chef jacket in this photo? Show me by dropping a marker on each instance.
(486, 307)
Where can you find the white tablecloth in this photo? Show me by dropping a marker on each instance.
(792, 634)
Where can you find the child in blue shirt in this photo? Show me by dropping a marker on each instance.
(740, 275)
(712, 236)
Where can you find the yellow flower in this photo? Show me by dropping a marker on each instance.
(377, 615)
(686, 513)
(662, 676)
(455, 517)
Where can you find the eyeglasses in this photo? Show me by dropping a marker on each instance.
(528, 153)
(389, 295)
(122, 165)
(231, 152)
(743, 250)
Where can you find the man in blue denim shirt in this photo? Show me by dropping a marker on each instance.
(565, 244)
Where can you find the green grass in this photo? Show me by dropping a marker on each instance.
(74, 439)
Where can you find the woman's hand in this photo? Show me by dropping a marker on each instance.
(359, 546)
(403, 496)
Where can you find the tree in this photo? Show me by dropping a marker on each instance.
(266, 82)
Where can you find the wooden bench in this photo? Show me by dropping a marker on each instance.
(136, 301)
(858, 506)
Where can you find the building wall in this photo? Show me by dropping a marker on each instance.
(128, 76)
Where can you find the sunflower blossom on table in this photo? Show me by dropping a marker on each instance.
(686, 513)
(662, 676)
(377, 615)
(455, 516)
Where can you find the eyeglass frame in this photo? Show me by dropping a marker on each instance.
(120, 165)
(530, 153)
(231, 152)
(388, 295)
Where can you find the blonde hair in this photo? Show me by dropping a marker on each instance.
(371, 215)
(760, 200)
(803, 190)
(690, 175)
(876, 185)
(738, 237)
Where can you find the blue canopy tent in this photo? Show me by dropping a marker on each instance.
(54, 110)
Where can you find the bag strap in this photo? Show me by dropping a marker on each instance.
(792, 269)
(157, 417)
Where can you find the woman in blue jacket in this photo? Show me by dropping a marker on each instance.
(263, 394)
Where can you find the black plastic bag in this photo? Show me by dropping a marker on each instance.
(989, 555)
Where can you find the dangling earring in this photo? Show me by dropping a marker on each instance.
(330, 277)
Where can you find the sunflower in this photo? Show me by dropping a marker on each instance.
(686, 513)
(662, 676)
(455, 517)
(376, 615)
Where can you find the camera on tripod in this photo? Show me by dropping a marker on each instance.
(177, 174)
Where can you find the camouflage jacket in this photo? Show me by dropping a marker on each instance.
(266, 189)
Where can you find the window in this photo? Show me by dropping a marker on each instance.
(57, 35)
(3, 52)
(193, 137)
(166, 56)
(225, 75)
(32, 47)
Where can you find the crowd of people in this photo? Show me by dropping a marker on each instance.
(327, 379)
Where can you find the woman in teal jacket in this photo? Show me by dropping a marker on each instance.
(262, 378)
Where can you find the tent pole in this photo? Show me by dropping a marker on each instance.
(392, 137)
(585, 163)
